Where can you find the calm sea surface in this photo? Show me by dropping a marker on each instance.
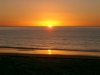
(67, 38)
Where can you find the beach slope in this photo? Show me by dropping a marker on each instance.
(31, 64)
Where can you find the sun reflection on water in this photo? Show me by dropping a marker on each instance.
(49, 51)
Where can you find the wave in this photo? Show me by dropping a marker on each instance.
(29, 48)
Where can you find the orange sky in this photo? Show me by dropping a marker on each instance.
(49, 12)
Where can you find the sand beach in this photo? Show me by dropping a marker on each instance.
(47, 64)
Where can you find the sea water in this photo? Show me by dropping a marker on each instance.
(62, 38)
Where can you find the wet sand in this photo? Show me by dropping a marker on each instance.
(47, 64)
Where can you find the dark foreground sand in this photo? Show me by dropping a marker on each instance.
(23, 64)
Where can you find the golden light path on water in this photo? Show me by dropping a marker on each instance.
(49, 52)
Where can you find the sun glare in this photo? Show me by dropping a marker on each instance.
(49, 23)
(50, 26)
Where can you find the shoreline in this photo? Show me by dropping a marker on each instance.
(49, 56)
(49, 53)
(29, 48)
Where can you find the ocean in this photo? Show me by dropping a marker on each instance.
(57, 38)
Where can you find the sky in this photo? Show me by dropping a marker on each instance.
(49, 12)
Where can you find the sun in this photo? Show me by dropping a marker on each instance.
(50, 26)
